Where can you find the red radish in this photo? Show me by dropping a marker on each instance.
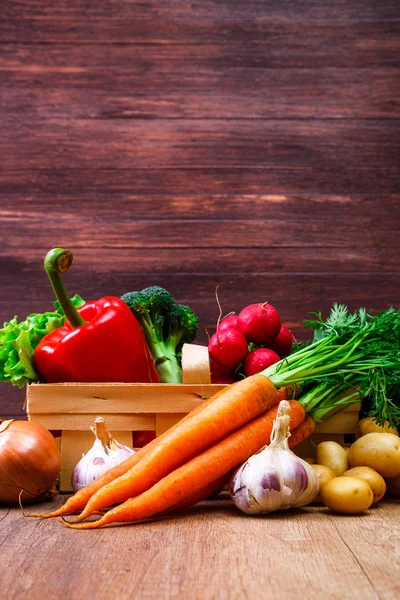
(259, 359)
(221, 374)
(228, 348)
(228, 323)
(219, 369)
(283, 342)
(260, 323)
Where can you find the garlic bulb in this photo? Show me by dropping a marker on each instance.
(105, 453)
(274, 478)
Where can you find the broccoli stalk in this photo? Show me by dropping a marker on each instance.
(166, 326)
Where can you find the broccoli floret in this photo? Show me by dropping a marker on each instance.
(166, 326)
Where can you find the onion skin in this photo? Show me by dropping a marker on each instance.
(29, 462)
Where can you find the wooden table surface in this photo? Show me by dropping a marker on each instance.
(209, 551)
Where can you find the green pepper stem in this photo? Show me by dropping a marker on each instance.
(58, 261)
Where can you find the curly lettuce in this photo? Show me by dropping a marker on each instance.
(18, 341)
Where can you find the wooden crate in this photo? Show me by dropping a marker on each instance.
(72, 407)
(339, 428)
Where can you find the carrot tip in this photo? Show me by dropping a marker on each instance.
(72, 525)
(56, 513)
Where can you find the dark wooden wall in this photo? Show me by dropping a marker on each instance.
(253, 144)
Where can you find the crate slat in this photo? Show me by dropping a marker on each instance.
(166, 420)
(82, 422)
(67, 398)
(344, 422)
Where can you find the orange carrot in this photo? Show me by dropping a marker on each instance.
(198, 472)
(287, 392)
(284, 393)
(298, 435)
(302, 432)
(78, 501)
(240, 404)
(205, 492)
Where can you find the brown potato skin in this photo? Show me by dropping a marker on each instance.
(334, 456)
(380, 451)
(347, 495)
(372, 477)
(325, 474)
(369, 425)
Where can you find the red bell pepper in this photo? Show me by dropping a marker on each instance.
(101, 341)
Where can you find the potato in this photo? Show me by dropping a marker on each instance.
(374, 480)
(380, 451)
(310, 460)
(393, 487)
(324, 475)
(333, 456)
(347, 495)
(369, 425)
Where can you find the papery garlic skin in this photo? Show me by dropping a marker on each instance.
(274, 478)
(105, 454)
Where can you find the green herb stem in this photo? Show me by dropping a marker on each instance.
(350, 350)
(58, 261)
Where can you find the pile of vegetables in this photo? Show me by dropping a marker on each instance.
(97, 341)
(200, 452)
(191, 460)
(352, 479)
(245, 443)
(247, 343)
(352, 357)
(136, 338)
(350, 350)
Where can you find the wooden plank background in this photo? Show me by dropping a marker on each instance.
(250, 144)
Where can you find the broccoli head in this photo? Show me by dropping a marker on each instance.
(166, 326)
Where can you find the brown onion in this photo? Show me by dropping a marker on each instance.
(29, 462)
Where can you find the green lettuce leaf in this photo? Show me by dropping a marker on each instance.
(18, 341)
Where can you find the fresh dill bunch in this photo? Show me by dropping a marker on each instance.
(339, 321)
(356, 351)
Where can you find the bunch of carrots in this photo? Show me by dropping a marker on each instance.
(192, 460)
